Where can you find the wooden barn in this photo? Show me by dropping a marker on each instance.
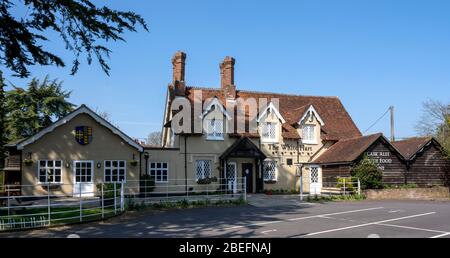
(338, 160)
(426, 163)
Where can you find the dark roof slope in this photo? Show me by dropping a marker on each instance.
(347, 150)
(338, 123)
(411, 146)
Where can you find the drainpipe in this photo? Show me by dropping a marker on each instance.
(185, 163)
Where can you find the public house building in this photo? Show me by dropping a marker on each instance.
(270, 140)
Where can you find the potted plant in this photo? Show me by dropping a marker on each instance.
(134, 163)
(206, 180)
(28, 162)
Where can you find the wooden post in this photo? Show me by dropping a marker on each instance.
(103, 202)
(48, 203)
(392, 123)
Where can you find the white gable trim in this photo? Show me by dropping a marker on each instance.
(311, 110)
(81, 110)
(215, 102)
(272, 108)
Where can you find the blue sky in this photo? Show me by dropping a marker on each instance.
(370, 53)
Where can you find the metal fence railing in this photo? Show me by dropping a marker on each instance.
(43, 205)
(330, 186)
(175, 190)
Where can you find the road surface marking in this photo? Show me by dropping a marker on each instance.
(301, 218)
(367, 224)
(413, 228)
(267, 231)
(441, 235)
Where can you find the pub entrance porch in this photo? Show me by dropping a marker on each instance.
(243, 159)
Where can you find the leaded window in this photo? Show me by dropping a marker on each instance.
(270, 170)
(203, 169)
(214, 129)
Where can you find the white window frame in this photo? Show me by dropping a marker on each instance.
(111, 167)
(46, 167)
(217, 133)
(274, 125)
(155, 169)
(275, 171)
(304, 134)
(74, 170)
(203, 176)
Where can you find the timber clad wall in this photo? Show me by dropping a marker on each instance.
(429, 167)
(332, 171)
(393, 167)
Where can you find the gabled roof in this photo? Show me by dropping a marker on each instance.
(83, 109)
(311, 111)
(348, 150)
(337, 122)
(410, 147)
(243, 147)
(271, 108)
(215, 102)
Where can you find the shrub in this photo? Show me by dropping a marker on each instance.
(146, 184)
(347, 183)
(368, 173)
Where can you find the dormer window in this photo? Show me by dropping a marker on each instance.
(309, 134)
(269, 131)
(214, 129)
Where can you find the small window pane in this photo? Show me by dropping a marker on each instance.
(107, 163)
(42, 163)
(58, 163)
(122, 163)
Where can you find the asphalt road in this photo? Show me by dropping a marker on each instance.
(419, 219)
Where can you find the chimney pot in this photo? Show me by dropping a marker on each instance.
(227, 77)
(178, 62)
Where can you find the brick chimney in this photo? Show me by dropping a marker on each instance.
(227, 78)
(178, 62)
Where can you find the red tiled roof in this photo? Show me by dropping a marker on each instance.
(338, 123)
(347, 150)
(411, 146)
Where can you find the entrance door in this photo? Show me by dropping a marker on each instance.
(84, 178)
(314, 184)
(247, 172)
(231, 176)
